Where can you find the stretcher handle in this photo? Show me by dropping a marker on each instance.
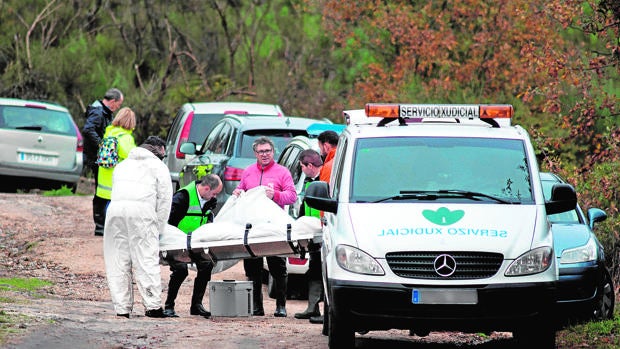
(248, 226)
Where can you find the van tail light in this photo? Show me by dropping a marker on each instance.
(184, 135)
(232, 173)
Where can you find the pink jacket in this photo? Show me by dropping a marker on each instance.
(273, 174)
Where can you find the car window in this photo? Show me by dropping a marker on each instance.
(219, 143)
(336, 173)
(35, 119)
(279, 137)
(201, 125)
(565, 217)
(212, 141)
(291, 161)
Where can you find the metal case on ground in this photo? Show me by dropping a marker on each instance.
(230, 298)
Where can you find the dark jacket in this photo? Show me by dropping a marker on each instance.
(98, 117)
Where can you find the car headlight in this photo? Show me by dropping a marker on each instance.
(357, 261)
(532, 262)
(585, 253)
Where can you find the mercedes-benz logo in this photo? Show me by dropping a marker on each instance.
(445, 265)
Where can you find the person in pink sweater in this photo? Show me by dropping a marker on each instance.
(280, 188)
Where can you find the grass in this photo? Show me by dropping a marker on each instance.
(11, 324)
(20, 284)
(595, 334)
(62, 191)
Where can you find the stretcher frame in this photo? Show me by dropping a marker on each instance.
(242, 248)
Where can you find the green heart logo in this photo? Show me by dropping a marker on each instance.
(443, 216)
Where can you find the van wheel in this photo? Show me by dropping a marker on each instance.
(340, 332)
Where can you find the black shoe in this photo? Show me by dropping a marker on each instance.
(258, 312)
(123, 315)
(198, 309)
(306, 314)
(170, 312)
(98, 233)
(280, 311)
(316, 320)
(155, 313)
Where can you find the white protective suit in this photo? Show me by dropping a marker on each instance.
(137, 214)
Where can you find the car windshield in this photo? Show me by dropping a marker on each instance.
(36, 119)
(441, 169)
(279, 137)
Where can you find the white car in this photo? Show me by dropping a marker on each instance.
(40, 145)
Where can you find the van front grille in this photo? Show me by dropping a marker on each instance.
(460, 266)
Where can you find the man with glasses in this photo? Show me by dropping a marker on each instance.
(279, 187)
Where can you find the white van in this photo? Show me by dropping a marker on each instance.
(435, 219)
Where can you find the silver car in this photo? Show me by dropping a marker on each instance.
(194, 121)
(227, 150)
(40, 145)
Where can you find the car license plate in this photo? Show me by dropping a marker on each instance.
(444, 296)
(40, 159)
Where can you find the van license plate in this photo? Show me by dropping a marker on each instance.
(444, 296)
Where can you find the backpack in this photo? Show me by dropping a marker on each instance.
(107, 155)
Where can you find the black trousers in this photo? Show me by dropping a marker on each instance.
(254, 266)
(277, 268)
(178, 275)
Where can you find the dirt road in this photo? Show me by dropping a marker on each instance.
(52, 238)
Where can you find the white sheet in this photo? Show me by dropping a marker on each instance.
(265, 216)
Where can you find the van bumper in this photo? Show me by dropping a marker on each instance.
(500, 307)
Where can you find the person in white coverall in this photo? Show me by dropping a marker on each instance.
(137, 214)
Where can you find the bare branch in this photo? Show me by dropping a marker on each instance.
(44, 13)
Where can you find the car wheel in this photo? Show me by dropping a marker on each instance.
(340, 332)
(604, 308)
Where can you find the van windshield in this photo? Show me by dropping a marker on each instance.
(441, 169)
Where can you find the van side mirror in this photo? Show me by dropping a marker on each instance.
(317, 197)
(563, 198)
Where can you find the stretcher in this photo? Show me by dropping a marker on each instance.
(251, 242)
(246, 227)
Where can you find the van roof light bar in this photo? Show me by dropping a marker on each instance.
(485, 112)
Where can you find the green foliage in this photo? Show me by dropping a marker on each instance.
(21, 284)
(62, 191)
(598, 334)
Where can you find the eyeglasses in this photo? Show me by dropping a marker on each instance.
(263, 152)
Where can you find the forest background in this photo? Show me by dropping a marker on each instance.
(556, 61)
